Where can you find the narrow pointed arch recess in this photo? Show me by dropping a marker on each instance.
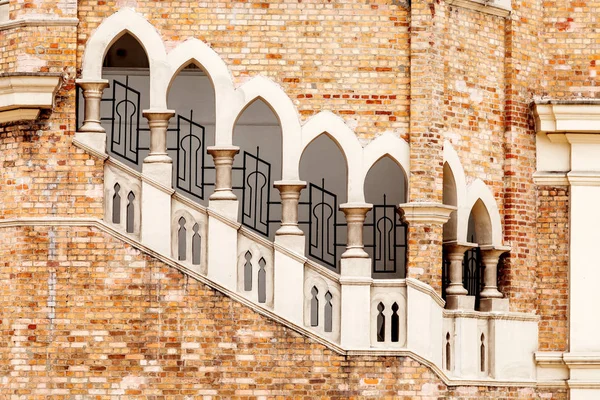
(323, 166)
(191, 94)
(257, 132)
(384, 233)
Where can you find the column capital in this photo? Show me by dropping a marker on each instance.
(456, 247)
(426, 213)
(492, 253)
(158, 116)
(289, 186)
(223, 152)
(93, 84)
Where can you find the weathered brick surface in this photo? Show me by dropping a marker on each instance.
(572, 47)
(473, 79)
(344, 56)
(86, 315)
(553, 267)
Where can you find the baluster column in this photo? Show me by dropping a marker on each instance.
(491, 298)
(223, 199)
(91, 132)
(456, 294)
(289, 234)
(158, 165)
(355, 279)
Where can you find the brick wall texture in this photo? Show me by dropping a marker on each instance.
(83, 314)
(87, 316)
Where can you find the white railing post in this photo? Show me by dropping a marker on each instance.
(356, 281)
(289, 271)
(157, 172)
(223, 236)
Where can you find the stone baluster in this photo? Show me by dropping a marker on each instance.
(491, 298)
(91, 133)
(456, 294)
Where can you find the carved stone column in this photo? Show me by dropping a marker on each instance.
(223, 198)
(158, 165)
(289, 234)
(491, 298)
(355, 279)
(91, 132)
(456, 294)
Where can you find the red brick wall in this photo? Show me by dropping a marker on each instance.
(571, 49)
(84, 314)
(553, 267)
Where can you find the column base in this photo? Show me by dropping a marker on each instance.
(225, 207)
(495, 305)
(159, 172)
(355, 267)
(94, 140)
(295, 243)
(455, 302)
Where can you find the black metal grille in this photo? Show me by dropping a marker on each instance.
(322, 224)
(472, 272)
(125, 121)
(445, 275)
(256, 193)
(387, 241)
(191, 157)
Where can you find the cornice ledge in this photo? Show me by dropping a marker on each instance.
(549, 358)
(426, 289)
(584, 178)
(428, 213)
(550, 178)
(572, 116)
(38, 21)
(499, 8)
(23, 95)
(583, 360)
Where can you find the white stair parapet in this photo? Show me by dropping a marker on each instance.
(353, 313)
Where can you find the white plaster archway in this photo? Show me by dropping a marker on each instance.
(285, 111)
(110, 30)
(478, 190)
(226, 98)
(463, 210)
(328, 123)
(388, 145)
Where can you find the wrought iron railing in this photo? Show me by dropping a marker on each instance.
(256, 187)
(387, 242)
(190, 157)
(472, 273)
(254, 180)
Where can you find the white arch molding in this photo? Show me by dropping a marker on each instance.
(478, 190)
(110, 30)
(452, 159)
(231, 102)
